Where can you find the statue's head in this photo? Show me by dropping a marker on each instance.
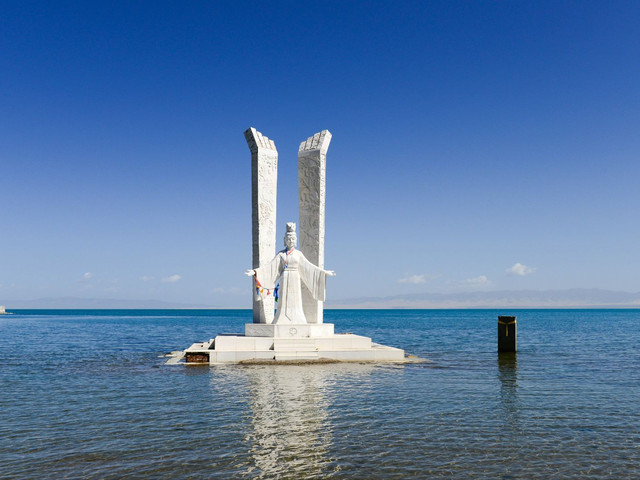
(290, 238)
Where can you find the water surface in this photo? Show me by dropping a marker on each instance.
(86, 394)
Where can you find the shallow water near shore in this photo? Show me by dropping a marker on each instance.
(86, 394)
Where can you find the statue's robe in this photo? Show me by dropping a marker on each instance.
(292, 267)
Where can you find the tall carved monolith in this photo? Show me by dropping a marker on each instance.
(264, 176)
(312, 160)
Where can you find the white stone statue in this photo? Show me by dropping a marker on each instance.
(291, 267)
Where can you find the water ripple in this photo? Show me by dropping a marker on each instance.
(87, 396)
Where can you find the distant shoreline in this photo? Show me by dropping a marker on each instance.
(575, 298)
(181, 309)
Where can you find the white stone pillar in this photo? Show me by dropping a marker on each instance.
(312, 159)
(264, 176)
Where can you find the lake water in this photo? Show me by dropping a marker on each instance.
(86, 394)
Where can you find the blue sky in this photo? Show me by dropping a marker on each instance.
(469, 138)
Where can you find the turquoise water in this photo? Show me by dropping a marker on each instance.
(86, 394)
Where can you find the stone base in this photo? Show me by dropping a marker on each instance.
(344, 347)
(304, 330)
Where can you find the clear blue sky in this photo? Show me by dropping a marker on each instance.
(468, 137)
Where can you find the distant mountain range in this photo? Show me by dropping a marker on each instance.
(575, 297)
(96, 304)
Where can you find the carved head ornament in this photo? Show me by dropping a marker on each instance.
(290, 237)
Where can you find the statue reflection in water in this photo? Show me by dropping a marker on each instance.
(291, 431)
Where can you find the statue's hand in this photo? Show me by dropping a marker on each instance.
(250, 273)
(330, 273)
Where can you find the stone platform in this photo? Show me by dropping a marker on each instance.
(266, 343)
(307, 330)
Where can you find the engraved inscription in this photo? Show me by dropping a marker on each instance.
(264, 165)
(311, 196)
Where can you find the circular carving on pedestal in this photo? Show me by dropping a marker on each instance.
(293, 331)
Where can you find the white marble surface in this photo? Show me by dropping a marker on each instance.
(312, 159)
(289, 330)
(339, 347)
(291, 270)
(264, 176)
(303, 336)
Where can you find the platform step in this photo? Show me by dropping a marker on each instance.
(299, 355)
(294, 345)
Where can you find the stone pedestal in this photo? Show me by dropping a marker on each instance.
(306, 330)
(344, 347)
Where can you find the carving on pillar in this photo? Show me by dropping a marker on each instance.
(312, 159)
(264, 176)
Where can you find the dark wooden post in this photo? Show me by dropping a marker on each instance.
(507, 334)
